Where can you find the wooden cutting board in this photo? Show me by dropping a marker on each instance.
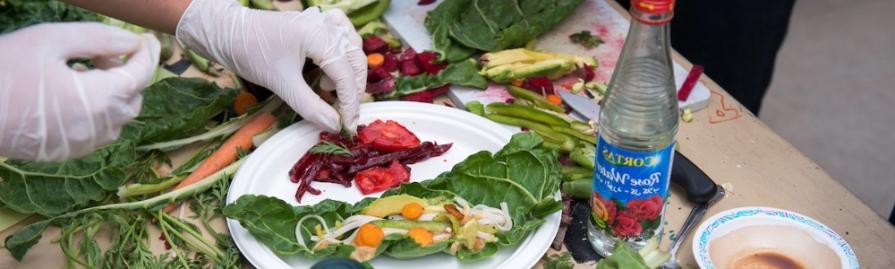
(406, 17)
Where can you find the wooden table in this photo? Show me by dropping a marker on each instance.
(734, 148)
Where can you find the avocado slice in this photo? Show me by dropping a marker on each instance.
(391, 205)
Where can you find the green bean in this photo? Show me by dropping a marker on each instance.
(526, 112)
(580, 189)
(534, 98)
(541, 129)
(570, 170)
(568, 131)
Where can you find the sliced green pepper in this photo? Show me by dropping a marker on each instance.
(580, 189)
(543, 130)
(538, 100)
(525, 112)
(568, 131)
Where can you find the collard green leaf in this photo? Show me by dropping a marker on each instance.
(458, 26)
(273, 221)
(407, 248)
(16, 14)
(438, 23)
(51, 189)
(269, 219)
(19, 242)
(463, 73)
(175, 108)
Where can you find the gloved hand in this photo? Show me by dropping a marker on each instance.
(269, 48)
(50, 112)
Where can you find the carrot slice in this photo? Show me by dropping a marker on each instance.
(554, 99)
(228, 152)
(243, 102)
(375, 60)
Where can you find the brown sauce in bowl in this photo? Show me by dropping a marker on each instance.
(765, 260)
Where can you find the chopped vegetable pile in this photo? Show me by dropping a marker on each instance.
(484, 203)
(376, 159)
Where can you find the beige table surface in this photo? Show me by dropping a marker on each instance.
(734, 148)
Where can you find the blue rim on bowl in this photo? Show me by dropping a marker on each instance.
(704, 233)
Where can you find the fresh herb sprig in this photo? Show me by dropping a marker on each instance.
(327, 147)
(586, 39)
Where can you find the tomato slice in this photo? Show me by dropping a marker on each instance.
(388, 136)
(378, 179)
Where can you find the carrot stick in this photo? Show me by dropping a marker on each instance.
(229, 151)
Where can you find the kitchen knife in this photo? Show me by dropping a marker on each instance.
(586, 107)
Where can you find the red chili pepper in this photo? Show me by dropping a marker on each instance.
(689, 83)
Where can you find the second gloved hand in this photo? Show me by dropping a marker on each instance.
(50, 112)
(269, 48)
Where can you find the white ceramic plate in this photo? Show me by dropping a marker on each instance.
(729, 221)
(265, 173)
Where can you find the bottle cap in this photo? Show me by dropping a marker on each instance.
(337, 263)
(653, 6)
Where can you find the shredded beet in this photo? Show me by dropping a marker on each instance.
(391, 62)
(540, 85)
(384, 86)
(377, 74)
(587, 73)
(427, 60)
(340, 169)
(374, 44)
(407, 55)
(425, 2)
(410, 68)
(427, 96)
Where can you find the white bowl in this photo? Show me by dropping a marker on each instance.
(736, 233)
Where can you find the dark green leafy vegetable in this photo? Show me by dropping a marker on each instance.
(16, 14)
(463, 73)
(586, 39)
(54, 188)
(175, 108)
(462, 27)
(438, 23)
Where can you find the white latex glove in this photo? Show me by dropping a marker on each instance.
(269, 48)
(50, 112)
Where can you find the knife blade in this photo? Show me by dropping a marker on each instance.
(582, 105)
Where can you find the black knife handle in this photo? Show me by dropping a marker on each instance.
(699, 187)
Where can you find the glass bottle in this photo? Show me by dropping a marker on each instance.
(638, 122)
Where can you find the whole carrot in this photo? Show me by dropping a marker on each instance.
(228, 152)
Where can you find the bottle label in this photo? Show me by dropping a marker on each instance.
(630, 188)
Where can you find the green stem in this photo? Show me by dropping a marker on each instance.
(217, 252)
(174, 247)
(140, 189)
(211, 253)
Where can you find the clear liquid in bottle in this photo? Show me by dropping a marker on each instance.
(638, 122)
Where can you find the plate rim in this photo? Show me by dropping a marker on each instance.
(704, 232)
(513, 261)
